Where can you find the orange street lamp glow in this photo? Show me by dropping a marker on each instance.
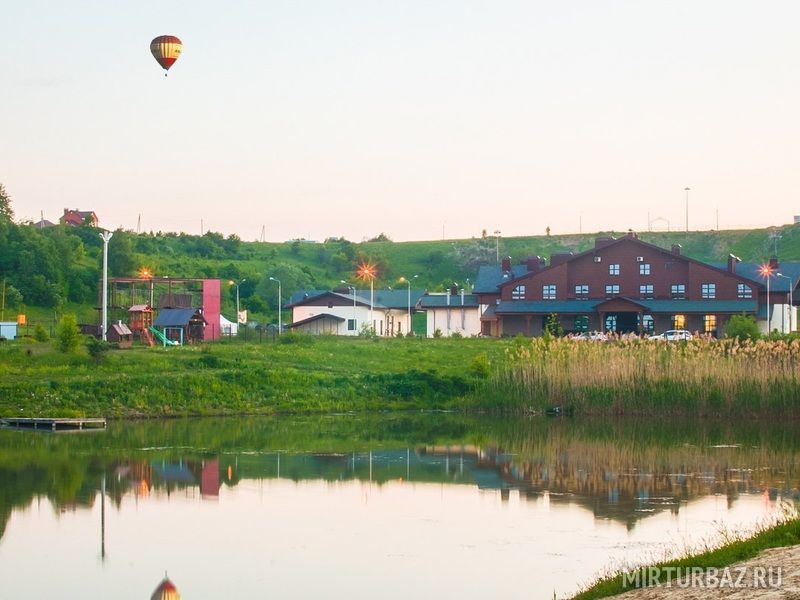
(368, 271)
(145, 273)
(766, 272)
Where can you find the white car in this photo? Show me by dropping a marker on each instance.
(673, 335)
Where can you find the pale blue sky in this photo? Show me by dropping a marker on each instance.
(318, 119)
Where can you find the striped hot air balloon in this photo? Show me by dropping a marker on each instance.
(166, 49)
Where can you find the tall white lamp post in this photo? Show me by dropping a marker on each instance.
(280, 303)
(352, 291)
(408, 281)
(687, 190)
(238, 312)
(106, 237)
(368, 271)
(791, 285)
(766, 272)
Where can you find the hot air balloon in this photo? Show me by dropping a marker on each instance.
(166, 49)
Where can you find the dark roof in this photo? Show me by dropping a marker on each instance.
(652, 306)
(317, 318)
(121, 329)
(440, 301)
(381, 298)
(752, 271)
(491, 276)
(176, 317)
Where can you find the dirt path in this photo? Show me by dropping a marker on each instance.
(773, 574)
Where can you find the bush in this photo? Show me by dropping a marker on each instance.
(294, 337)
(743, 327)
(480, 366)
(68, 336)
(97, 348)
(40, 333)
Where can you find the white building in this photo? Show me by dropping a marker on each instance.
(452, 312)
(340, 312)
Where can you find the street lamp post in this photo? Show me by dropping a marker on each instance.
(106, 237)
(497, 243)
(687, 190)
(352, 291)
(278, 281)
(368, 271)
(766, 272)
(238, 317)
(408, 281)
(791, 299)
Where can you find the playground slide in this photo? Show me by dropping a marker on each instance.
(162, 338)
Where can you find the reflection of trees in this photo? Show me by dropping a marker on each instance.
(617, 469)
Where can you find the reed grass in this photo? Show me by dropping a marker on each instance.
(701, 377)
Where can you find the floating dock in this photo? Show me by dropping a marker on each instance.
(55, 423)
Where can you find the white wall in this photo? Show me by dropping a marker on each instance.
(780, 315)
(454, 319)
(8, 330)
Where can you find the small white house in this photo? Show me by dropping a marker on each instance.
(451, 313)
(337, 312)
(8, 330)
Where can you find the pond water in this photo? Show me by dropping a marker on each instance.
(391, 506)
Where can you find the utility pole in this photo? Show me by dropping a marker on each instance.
(687, 190)
(106, 237)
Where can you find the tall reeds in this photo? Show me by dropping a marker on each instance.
(702, 377)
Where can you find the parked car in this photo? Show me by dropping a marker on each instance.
(591, 336)
(673, 335)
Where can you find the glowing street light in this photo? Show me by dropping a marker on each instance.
(408, 281)
(278, 281)
(369, 271)
(238, 314)
(766, 273)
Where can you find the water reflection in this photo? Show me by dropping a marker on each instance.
(625, 473)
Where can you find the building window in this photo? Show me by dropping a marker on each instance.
(648, 324)
(646, 290)
(678, 291)
(582, 290)
(518, 293)
(613, 269)
(708, 290)
(710, 323)
(644, 269)
(549, 292)
(612, 290)
(582, 323)
(351, 324)
(679, 321)
(744, 291)
(611, 322)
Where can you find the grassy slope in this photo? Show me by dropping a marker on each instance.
(312, 375)
(784, 534)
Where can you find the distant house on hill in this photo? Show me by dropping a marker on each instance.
(43, 224)
(76, 218)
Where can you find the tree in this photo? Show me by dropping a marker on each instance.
(68, 336)
(6, 214)
(743, 327)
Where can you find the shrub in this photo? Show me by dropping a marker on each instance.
(480, 366)
(97, 348)
(742, 327)
(456, 335)
(437, 333)
(40, 333)
(68, 336)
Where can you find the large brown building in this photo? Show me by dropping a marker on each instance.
(627, 285)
